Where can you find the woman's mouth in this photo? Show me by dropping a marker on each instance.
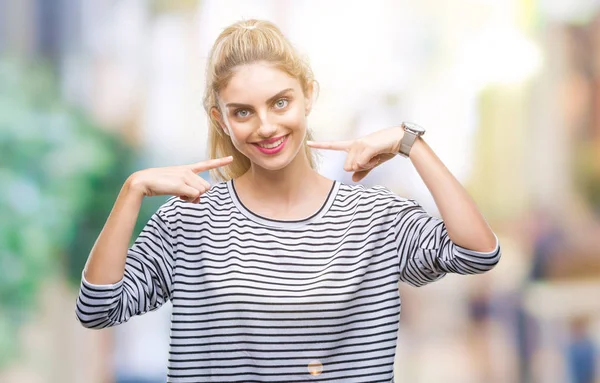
(272, 147)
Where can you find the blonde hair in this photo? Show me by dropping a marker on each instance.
(247, 42)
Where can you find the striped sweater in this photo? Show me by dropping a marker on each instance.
(262, 300)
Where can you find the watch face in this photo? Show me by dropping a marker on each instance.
(414, 128)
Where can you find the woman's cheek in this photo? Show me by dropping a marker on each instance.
(241, 131)
(295, 118)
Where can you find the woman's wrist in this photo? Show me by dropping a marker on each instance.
(134, 185)
(399, 132)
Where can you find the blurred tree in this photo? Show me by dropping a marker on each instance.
(59, 176)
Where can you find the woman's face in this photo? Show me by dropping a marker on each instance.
(264, 112)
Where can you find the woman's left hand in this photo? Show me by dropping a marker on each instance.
(368, 152)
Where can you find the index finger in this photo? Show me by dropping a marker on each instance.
(331, 145)
(211, 164)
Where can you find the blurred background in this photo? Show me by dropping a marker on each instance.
(509, 91)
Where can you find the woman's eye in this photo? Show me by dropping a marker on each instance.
(282, 103)
(242, 113)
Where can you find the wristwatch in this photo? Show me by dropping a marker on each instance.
(411, 132)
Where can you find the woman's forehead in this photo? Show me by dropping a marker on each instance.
(256, 82)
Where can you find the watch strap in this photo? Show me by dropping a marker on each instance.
(408, 139)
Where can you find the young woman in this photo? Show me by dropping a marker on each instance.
(278, 274)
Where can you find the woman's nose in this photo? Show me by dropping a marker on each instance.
(266, 128)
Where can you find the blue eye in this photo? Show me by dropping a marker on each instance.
(281, 103)
(242, 113)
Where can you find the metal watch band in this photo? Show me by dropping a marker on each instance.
(406, 143)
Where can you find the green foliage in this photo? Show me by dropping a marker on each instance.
(59, 176)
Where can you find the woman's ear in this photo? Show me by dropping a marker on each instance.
(217, 116)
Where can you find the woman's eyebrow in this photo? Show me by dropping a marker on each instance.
(269, 101)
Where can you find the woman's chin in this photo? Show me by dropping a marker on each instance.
(273, 162)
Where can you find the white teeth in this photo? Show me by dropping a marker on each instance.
(273, 144)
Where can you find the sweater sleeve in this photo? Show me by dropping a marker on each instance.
(145, 286)
(426, 252)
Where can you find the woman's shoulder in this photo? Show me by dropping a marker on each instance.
(373, 191)
(217, 195)
(376, 199)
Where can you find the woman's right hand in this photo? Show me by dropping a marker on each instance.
(182, 181)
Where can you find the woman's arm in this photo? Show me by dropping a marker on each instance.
(465, 224)
(119, 282)
(106, 262)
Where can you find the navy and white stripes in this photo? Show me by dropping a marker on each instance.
(258, 300)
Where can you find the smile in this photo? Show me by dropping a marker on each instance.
(272, 147)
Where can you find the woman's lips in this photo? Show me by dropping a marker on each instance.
(280, 143)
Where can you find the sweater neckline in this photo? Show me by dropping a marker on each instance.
(266, 221)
